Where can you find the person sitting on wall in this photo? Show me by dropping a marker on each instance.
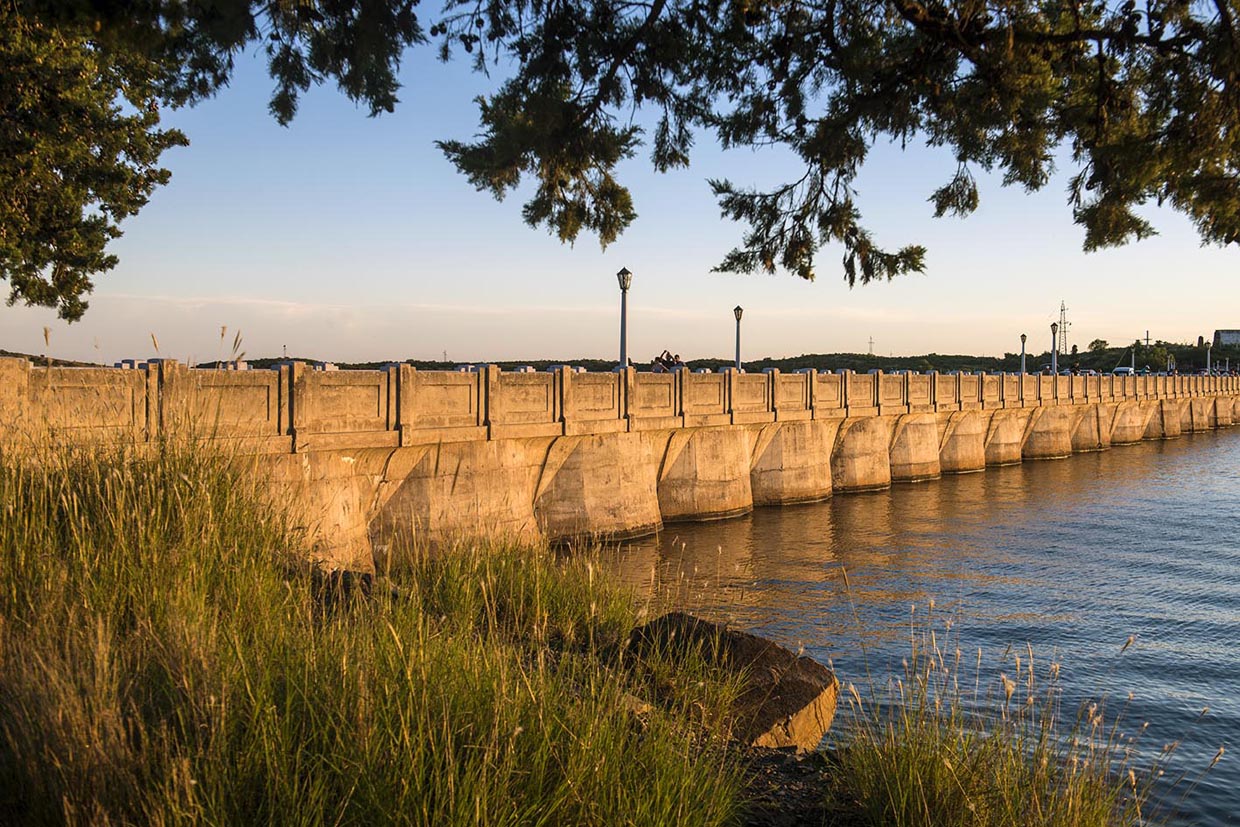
(657, 366)
(677, 363)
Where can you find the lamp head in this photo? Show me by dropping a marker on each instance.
(1054, 328)
(625, 278)
(1022, 338)
(737, 311)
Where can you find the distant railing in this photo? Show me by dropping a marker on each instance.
(296, 407)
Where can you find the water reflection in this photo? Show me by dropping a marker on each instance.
(1071, 556)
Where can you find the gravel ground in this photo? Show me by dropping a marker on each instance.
(786, 789)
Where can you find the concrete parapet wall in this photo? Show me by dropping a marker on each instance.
(77, 403)
(364, 456)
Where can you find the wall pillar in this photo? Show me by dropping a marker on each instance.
(1132, 419)
(1048, 434)
(861, 458)
(791, 461)
(1005, 436)
(962, 441)
(704, 474)
(915, 449)
(600, 486)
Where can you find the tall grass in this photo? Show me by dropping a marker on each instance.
(165, 658)
(941, 745)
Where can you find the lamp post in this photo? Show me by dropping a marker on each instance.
(625, 278)
(1022, 352)
(737, 311)
(1209, 345)
(1054, 348)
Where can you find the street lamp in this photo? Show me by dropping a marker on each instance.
(625, 278)
(1022, 352)
(1209, 345)
(737, 311)
(1054, 348)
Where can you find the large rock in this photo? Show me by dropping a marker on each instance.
(787, 700)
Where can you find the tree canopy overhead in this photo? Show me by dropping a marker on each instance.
(1143, 96)
(82, 85)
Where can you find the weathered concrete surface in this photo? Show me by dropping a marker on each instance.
(331, 497)
(1165, 420)
(914, 453)
(786, 700)
(600, 486)
(705, 474)
(438, 493)
(1223, 417)
(962, 441)
(1197, 415)
(1088, 432)
(861, 460)
(1131, 421)
(1005, 436)
(791, 462)
(1048, 434)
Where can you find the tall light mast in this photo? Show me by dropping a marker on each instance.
(1064, 324)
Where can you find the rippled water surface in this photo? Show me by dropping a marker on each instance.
(1071, 556)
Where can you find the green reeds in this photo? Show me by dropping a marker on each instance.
(940, 745)
(167, 658)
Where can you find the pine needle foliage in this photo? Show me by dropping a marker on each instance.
(1142, 98)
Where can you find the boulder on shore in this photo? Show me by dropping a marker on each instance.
(787, 700)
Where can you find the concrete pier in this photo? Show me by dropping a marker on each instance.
(363, 457)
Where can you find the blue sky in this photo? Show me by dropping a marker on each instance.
(351, 238)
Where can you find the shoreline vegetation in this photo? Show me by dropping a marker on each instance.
(167, 657)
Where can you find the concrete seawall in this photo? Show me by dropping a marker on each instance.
(365, 456)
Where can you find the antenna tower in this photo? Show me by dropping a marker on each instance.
(871, 345)
(1064, 324)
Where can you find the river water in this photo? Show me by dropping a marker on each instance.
(1071, 557)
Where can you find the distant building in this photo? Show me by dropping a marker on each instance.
(1226, 337)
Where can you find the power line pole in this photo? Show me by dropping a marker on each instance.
(1064, 324)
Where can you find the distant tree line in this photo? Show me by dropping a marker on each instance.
(1100, 356)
